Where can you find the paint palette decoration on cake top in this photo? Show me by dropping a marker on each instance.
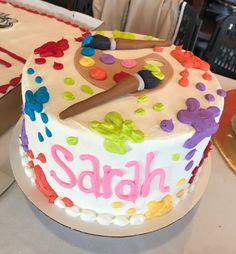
(117, 76)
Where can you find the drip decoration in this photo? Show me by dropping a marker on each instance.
(117, 132)
(24, 137)
(202, 120)
(34, 101)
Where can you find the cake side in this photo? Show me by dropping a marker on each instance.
(136, 155)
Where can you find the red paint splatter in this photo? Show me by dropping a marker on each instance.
(42, 184)
(31, 164)
(184, 82)
(58, 66)
(41, 157)
(207, 76)
(184, 73)
(40, 60)
(191, 179)
(188, 59)
(30, 154)
(67, 202)
(52, 48)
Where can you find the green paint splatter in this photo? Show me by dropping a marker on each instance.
(139, 112)
(142, 98)
(69, 96)
(100, 32)
(123, 35)
(158, 107)
(69, 81)
(116, 132)
(175, 156)
(71, 140)
(86, 89)
(156, 71)
(148, 37)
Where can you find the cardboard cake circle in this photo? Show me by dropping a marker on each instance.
(93, 228)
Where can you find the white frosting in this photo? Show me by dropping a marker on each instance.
(59, 203)
(73, 211)
(88, 215)
(162, 144)
(137, 219)
(121, 220)
(105, 219)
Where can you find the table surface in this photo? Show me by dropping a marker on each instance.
(209, 227)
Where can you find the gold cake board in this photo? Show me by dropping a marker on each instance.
(225, 139)
(59, 215)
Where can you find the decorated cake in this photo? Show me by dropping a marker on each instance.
(116, 125)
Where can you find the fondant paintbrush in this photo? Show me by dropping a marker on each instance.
(144, 79)
(104, 43)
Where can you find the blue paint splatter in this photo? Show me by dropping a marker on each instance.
(30, 71)
(34, 101)
(44, 117)
(48, 132)
(40, 137)
(38, 80)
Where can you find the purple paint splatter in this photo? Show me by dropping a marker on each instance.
(200, 86)
(190, 154)
(221, 92)
(209, 97)
(167, 125)
(202, 120)
(23, 137)
(189, 166)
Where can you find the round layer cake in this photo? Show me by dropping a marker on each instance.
(130, 158)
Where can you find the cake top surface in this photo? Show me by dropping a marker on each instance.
(188, 100)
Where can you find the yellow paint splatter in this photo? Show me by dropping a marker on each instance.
(181, 182)
(116, 204)
(131, 211)
(158, 208)
(180, 193)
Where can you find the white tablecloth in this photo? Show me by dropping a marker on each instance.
(209, 228)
